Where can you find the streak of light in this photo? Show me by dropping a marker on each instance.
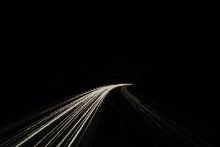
(90, 121)
(160, 119)
(87, 119)
(78, 111)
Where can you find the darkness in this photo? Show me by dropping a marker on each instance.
(35, 80)
(53, 57)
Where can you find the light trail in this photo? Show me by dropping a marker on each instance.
(155, 118)
(31, 127)
(70, 120)
(85, 120)
(90, 121)
(75, 113)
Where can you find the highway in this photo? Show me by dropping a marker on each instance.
(104, 117)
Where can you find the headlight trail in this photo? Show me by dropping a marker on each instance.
(67, 125)
(75, 113)
(42, 120)
(157, 119)
(87, 117)
(90, 121)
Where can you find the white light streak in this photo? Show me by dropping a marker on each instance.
(78, 111)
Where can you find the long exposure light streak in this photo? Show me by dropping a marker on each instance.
(75, 113)
(162, 122)
(44, 119)
(90, 121)
(67, 125)
(85, 120)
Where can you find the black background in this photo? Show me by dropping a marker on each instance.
(51, 60)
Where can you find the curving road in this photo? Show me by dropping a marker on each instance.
(118, 118)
